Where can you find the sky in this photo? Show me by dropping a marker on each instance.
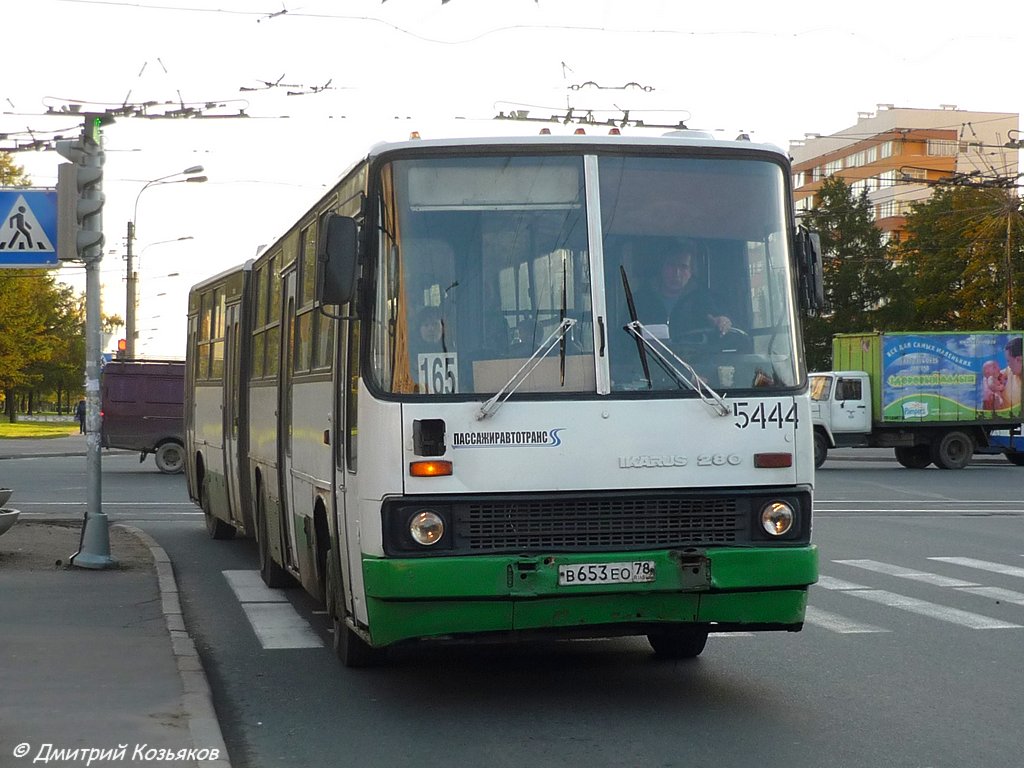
(320, 81)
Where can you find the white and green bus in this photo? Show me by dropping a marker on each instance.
(437, 405)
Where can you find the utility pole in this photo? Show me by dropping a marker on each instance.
(129, 311)
(80, 238)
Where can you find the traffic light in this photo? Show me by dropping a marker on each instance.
(122, 348)
(79, 200)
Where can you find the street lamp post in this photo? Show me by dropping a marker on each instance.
(132, 290)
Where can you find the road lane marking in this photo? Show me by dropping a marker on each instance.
(830, 582)
(278, 626)
(275, 621)
(932, 610)
(907, 573)
(998, 593)
(983, 565)
(249, 588)
(835, 623)
(924, 608)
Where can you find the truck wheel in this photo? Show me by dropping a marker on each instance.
(170, 458)
(820, 449)
(953, 450)
(678, 642)
(914, 457)
(1017, 459)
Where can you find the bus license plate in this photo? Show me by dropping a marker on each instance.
(636, 572)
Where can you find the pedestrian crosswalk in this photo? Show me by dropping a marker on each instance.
(952, 592)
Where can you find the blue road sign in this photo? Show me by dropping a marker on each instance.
(28, 227)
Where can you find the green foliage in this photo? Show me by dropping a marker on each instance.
(955, 256)
(861, 279)
(12, 175)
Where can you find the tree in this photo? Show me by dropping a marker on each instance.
(961, 246)
(861, 279)
(12, 175)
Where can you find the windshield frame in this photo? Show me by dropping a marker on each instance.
(590, 155)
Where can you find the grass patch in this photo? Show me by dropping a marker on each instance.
(37, 429)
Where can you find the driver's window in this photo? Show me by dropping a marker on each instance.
(848, 389)
(695, 273)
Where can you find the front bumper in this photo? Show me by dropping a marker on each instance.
(731, 588)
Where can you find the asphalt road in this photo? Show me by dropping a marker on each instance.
(910, 655)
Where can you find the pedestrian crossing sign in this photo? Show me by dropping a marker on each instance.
(28, 228)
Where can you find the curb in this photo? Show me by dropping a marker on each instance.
(196, 699)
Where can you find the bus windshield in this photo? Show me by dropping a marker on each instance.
(484, 262)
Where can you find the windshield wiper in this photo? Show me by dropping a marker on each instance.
(662, 354)
(491, 407)
(631, 306)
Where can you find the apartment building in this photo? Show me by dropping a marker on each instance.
(897, 154)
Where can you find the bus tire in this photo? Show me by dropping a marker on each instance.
(684, 641)
(215, 527)
(953, 450)
(350, 648)
(914, 456)
(170, 458)
(820, 449)
(273, 575)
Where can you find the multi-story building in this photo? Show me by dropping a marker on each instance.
(897, 154)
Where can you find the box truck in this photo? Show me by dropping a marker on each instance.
(141, 403)
(935, 398)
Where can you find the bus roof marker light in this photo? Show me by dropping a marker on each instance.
(435, 468)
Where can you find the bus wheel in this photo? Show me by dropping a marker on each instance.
(273, 575)
(350, 648)
(215, 527)
(820, 449)
(953, 450)
(914, 456)
(678, 642)
(170, 458)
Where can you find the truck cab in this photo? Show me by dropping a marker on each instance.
(840, 411)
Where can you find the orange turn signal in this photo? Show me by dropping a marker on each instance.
(430, 468)
(773, 460)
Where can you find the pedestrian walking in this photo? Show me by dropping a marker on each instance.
(80, 415)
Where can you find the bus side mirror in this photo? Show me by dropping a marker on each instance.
(812, 280)
(336, 261)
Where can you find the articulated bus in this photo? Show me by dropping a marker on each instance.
(437, 405)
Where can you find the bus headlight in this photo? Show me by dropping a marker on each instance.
(426, 528)
(777, 517)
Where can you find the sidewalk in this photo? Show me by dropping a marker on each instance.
(98, 667)
(35, 447)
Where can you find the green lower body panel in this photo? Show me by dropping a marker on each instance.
(431, 597)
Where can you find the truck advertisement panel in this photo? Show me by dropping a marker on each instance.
(951, 377)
